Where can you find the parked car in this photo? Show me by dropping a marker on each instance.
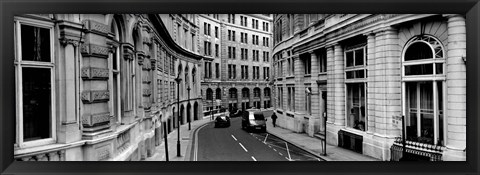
(223, 119)
(254, 120)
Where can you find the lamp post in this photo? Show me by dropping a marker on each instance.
(165, 138)
(178, 79)
(188, 116)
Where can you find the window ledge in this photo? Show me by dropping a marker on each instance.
(290, 77)
(308, 75)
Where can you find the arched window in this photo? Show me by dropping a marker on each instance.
(245, 93)
(423, 90)
(233, 93)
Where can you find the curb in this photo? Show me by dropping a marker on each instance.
(188, 151)
(301, 147)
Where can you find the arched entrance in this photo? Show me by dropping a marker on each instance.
(182, 115)
(189, 110)
(195, 111)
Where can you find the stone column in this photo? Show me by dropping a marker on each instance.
(456, 90)
(371, 83)
(330, 87)
(68, 83)
(380, 84)
(339, 86)
(393, 86)
(315, 116)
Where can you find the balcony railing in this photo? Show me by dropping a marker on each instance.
(416, 151)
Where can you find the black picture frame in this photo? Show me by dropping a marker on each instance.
(471, 8)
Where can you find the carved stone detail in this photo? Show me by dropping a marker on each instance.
(103, 153)
(95, 96)
(147, 92)
(95, 50)
(123, 141)
(95, 119)
(95, 26)
(95, 73)
(66, 41)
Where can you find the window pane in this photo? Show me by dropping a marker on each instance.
(439, 68)
(426, 112)
(349, 74)
(360, 74)
(440, 113)
(35, 43)
(359, 57)
(418, 51)
(356, 106)
(349, 57)
(421, 69)
(411, 118)
(36, 103)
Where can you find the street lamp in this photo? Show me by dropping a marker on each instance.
(178, 79)
(188, 116)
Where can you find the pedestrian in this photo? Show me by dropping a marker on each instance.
(274, 119)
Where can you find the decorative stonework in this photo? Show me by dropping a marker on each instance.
(97, 27)
(65, 41)
(363, 23)
(147, 92)
(94, 50)
(90, 120)
(123, 141)
(128, 52)
(95, 73)
(103, 153)
(147, 40)
(95, 96)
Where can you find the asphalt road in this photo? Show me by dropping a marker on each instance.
(235, 144)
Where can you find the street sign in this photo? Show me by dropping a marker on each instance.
(397, 122)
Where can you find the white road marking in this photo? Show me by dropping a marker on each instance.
(254, 158)
(234, 138)
(287, 158)
(318, 159)
(269, 146)
(288, 151)
(265, 139)
(280, 154)
(274, 149)
(243, 147)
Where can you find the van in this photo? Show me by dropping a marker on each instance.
(254, 120)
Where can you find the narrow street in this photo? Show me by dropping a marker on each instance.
(235, 144)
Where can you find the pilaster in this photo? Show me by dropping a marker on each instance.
(456, 90)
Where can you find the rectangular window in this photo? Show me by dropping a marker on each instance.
(233, 35)
(217, 70)
(421, 113)
(355, 67)
(35, 88)
(216, 50)
(356, 106)
(216, 32)
(234, 67)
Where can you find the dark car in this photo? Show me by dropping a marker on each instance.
(254, 120)
(223, 119)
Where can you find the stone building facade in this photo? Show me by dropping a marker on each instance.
(236, 65)
(95, 87)
(362, 72)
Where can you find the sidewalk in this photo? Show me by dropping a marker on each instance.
(312, 145)
(185, 143)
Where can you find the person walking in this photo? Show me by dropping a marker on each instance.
(274, 119)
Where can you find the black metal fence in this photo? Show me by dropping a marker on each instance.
(415, 151)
